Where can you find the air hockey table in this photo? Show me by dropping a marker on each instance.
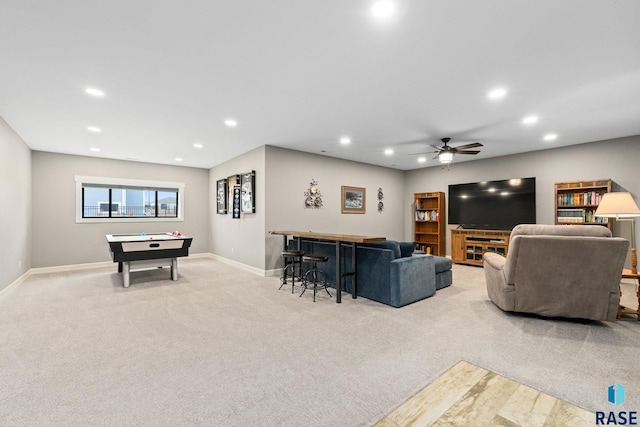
(134, 252)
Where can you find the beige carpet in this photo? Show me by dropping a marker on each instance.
(467, 395)
(223, 347)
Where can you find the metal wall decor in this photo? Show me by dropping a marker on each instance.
(248, 201)
(380, 197)
(313, 197)
(221, 196)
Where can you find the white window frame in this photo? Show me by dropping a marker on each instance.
(126, 182)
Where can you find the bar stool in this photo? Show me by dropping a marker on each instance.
(292, 257)
(314, 272)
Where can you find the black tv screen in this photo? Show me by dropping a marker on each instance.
(493, 205)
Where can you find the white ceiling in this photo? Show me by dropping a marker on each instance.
(300, 74)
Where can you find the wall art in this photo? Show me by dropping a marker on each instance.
(354, 200)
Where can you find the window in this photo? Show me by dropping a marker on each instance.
(122, 200)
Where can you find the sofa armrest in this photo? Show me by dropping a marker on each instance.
(499, 291)
(495, 261)
(411, 279)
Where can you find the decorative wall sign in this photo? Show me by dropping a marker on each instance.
(380, 197)
(221, 196)
(354, 200)
(248, 202)
(313, 197)
(231, 181)
(236, 201)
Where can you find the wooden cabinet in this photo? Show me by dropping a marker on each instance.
(577, 201)
(429, 222)
(469, 246)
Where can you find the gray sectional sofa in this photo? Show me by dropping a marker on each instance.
(388, 272)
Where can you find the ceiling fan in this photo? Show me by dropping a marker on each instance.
(446, 152)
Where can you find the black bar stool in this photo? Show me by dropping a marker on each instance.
(314, 272)
(292, 257)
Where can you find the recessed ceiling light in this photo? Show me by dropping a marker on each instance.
(198, 145)
(497, 93)
(550, 137)
(345, 140)
(93, 91)
(422, 159)
(94, 129)
(95, 149)
(231, 123)
(388, 151)
(529, 120)
(383, 9)
(178, 159)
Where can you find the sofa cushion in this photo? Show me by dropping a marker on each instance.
(406, 249)
(392, 245)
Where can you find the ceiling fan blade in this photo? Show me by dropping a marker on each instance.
(472, 145)
(436, 147)
(419, 154)
(467, 152)
(436, 156)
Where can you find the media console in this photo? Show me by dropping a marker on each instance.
(468, 246)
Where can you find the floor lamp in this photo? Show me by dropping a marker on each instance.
(621, 207)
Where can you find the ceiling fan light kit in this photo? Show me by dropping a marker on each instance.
(445, 157)
(445, 153)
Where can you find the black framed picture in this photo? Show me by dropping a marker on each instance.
(221, 196)
(231, 181)
(236, 201)
(248, 201)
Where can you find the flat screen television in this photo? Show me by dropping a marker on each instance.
(493, 205)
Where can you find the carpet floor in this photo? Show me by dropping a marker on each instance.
(224, 347)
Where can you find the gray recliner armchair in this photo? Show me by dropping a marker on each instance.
(558, 271)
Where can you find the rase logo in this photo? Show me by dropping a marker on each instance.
(615, 396)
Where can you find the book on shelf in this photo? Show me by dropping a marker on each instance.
(579, 199)
(572, 216)
(431, 215)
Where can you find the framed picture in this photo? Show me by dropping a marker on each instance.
(231, 181)
(248, 202)
(236, 202)
(221, 196)
(354, 200)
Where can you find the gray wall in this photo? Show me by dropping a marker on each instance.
(242, 239)
(59, 240)
(289, 174)
(616, 159)
(37, 181)
(15, 215)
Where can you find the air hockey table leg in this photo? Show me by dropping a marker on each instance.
(174, 268)
(126, 267)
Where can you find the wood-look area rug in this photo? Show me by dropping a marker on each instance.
(467, 395)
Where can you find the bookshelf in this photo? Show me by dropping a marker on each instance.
(429, 222)
(576, 201)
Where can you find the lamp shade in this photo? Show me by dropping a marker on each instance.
(617, 205)
(445, 157)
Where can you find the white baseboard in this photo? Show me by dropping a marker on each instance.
(254, 270)
(15, 283)
(70, 267)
